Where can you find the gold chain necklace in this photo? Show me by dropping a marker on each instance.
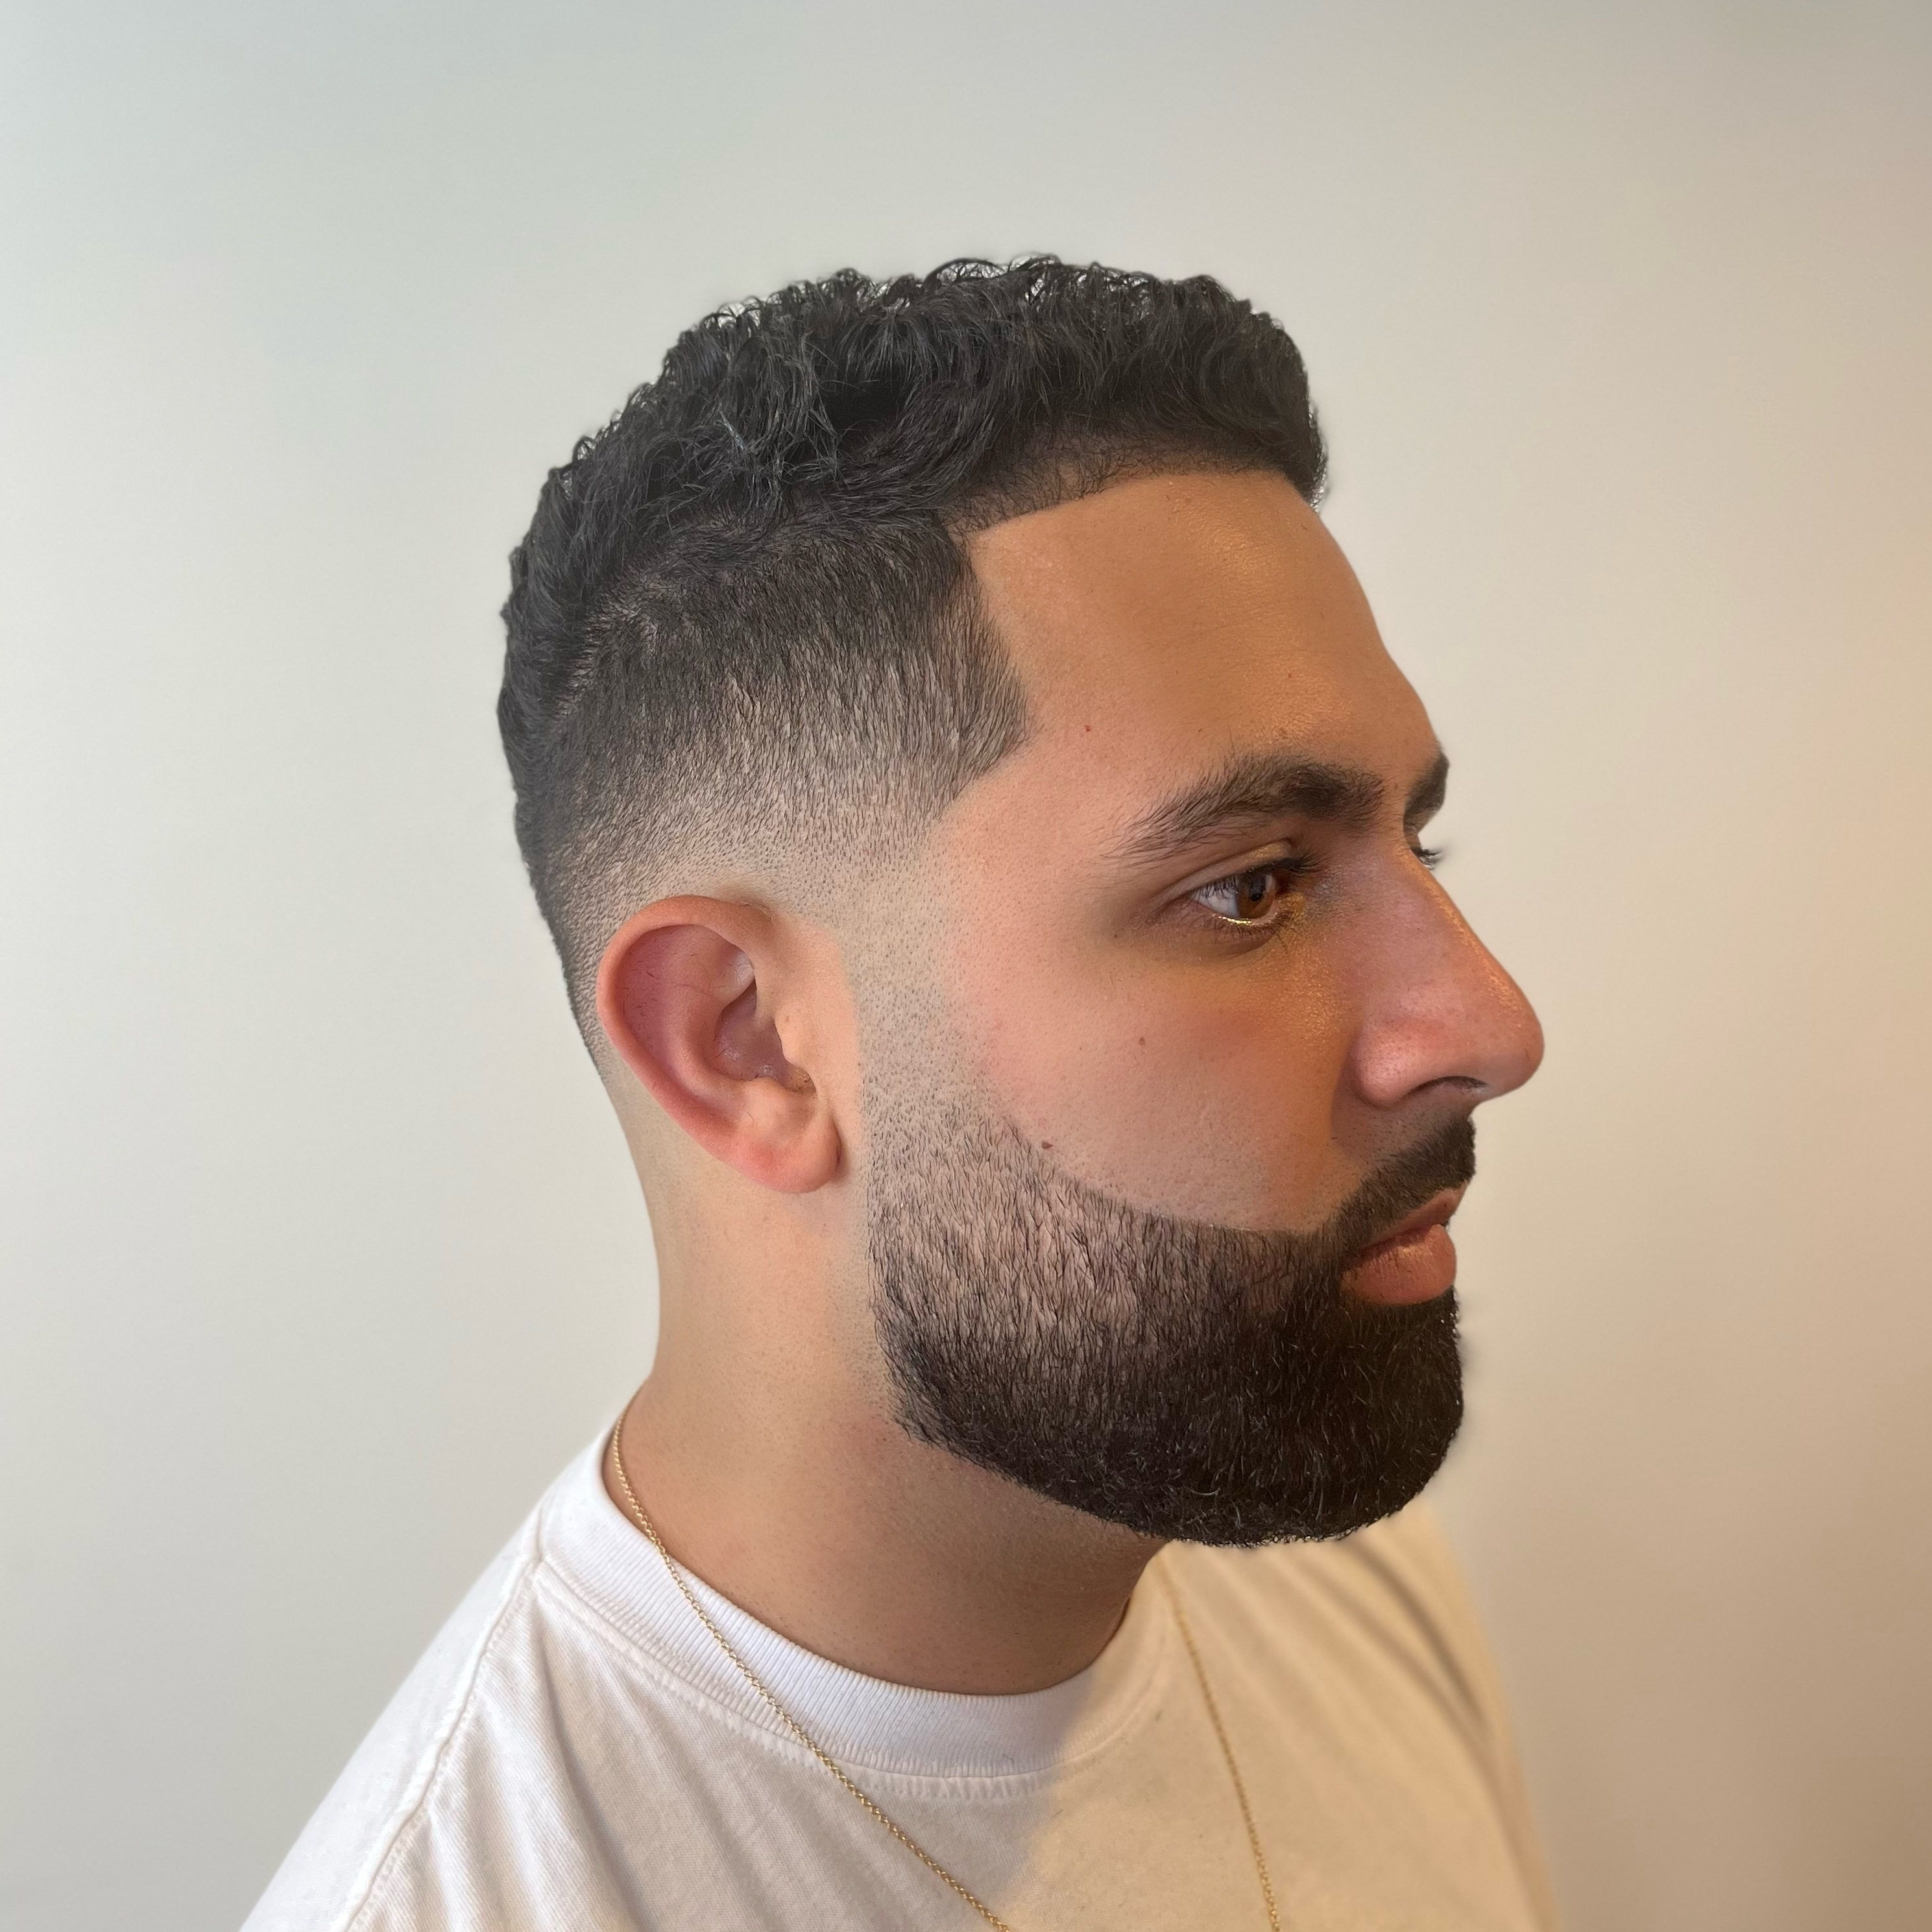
(825, 1758)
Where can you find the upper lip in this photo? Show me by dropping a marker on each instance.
(1434, 1213)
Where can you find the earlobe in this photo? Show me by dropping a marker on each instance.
(689, 993)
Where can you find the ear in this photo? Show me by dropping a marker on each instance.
(696, 995)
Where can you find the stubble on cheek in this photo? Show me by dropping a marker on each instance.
(1206, 1091)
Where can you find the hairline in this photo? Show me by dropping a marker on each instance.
(735, 862)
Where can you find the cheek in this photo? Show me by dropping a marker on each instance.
(1207, 1091)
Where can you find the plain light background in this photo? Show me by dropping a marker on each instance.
(319, 1252)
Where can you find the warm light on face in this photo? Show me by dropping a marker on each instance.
(1195, 946)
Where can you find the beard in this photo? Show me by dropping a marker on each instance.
(1190, 1381)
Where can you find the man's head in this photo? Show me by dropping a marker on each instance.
(743, 620)
(981, 626)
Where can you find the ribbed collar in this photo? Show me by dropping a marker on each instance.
(893, 1728)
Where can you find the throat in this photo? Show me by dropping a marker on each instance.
(832, 1526)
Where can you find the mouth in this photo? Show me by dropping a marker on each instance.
(1415, 1261)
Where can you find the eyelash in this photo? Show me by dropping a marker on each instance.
(1296, 866)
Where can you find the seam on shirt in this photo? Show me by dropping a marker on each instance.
(548, 1576)
(1495, 1754)
(1459, 1702)
(416, 1794)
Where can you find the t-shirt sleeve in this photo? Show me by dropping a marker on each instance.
(325, 1878)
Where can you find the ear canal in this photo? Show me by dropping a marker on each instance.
(750, 1048)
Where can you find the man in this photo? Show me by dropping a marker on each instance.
(981, 830)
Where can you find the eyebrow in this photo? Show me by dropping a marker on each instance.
(1261, 786)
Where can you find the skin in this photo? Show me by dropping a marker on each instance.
(1239, 1054)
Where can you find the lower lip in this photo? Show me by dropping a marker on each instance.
(1413, 1268)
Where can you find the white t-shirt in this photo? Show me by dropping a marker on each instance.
(574, 1752)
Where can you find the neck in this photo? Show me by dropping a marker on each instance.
(775, 1472)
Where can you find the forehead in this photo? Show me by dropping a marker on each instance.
(1167, 623)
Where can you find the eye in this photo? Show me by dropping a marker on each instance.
(1253, 897)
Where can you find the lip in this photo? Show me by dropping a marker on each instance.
(1434, 1213)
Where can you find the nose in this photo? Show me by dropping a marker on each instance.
(1439, 1011)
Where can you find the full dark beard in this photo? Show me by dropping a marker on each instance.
(1188, 1381)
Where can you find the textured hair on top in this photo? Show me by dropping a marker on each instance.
(742, 618)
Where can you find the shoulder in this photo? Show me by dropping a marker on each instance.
(1389, 1599)
(340, 1859)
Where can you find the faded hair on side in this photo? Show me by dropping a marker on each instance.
(742, 621)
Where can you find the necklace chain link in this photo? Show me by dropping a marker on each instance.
(791, 1724)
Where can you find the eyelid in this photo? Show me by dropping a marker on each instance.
(1294, 863)
(1282, 852)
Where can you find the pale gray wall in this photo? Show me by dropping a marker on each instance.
(319, 1253)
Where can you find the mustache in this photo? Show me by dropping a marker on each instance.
(1392, 1190)
(1395, 1187)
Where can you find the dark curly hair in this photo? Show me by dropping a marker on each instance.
(743, 623)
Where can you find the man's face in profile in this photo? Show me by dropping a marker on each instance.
(1156, 1193)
